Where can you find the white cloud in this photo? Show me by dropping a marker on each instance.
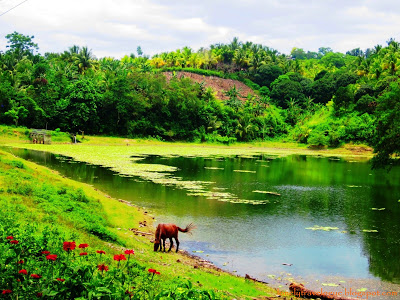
(115, 28)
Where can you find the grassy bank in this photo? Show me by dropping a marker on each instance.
(42, 210)
(11, 134)
(38, 198)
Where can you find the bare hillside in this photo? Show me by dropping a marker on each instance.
(219, 85)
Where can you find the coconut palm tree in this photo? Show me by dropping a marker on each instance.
(245, 128)
(85, 60)
(240, 58)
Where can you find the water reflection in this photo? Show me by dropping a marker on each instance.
(257, 239)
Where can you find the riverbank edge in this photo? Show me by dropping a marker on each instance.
(349, 151)
(198, 270)
(18, 135)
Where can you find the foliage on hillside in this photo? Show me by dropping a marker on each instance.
(320, 98)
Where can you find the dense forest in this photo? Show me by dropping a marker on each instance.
(322, 98)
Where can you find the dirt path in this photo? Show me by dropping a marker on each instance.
(219, 85)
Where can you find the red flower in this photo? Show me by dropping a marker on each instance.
(10, 237)
(23, 271)
(52, 257)
(154, 271)
(6, 292)
(101, 252)
(20, 262)
(102, 267)
(83, 246)
(36, 276)
(69, 246)
(119, 257)
(60, 279)
(129, 252)
(39, 294)
(14, 242)
(83, 253)
(45, 252)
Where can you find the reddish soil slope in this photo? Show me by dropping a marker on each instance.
(219, 85)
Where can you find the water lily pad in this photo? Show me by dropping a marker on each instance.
(198, 251)
(330, 284)
(374, 208)
(266, 192)
(244, 171)
(354, 186)
(219, 188)
(213, 168)
(326, 228)
(370, 230)
(271, 276)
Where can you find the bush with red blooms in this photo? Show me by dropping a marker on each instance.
(46, 259)
(83, 246)
(62, 273)
(66, 275)
(69, 246)
(52, 257)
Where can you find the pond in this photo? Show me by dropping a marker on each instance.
(322, 221)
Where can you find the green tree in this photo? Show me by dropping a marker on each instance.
(323, 89)
(20, 45)
(386, 140)
(298, 53)
(79, 108)
(266, 74)
(85, 60)
(246, 129)
(343, 99)
(284, 89)
(234, 102)
(324, 50)
(16, 112)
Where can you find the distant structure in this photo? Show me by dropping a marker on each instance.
(40, 136)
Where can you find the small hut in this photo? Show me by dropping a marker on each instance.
(40, 136)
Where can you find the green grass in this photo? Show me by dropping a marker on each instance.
(36, 205)
(11, 134)
(28, 197)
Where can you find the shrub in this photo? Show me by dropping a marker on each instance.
(319, 137)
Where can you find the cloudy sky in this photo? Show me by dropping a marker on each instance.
(116, 27)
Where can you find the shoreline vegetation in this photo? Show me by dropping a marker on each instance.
(121, 219)
(223, 93)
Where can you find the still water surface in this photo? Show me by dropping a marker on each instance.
(270, 241)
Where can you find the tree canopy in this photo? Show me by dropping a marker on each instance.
(322, 98)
